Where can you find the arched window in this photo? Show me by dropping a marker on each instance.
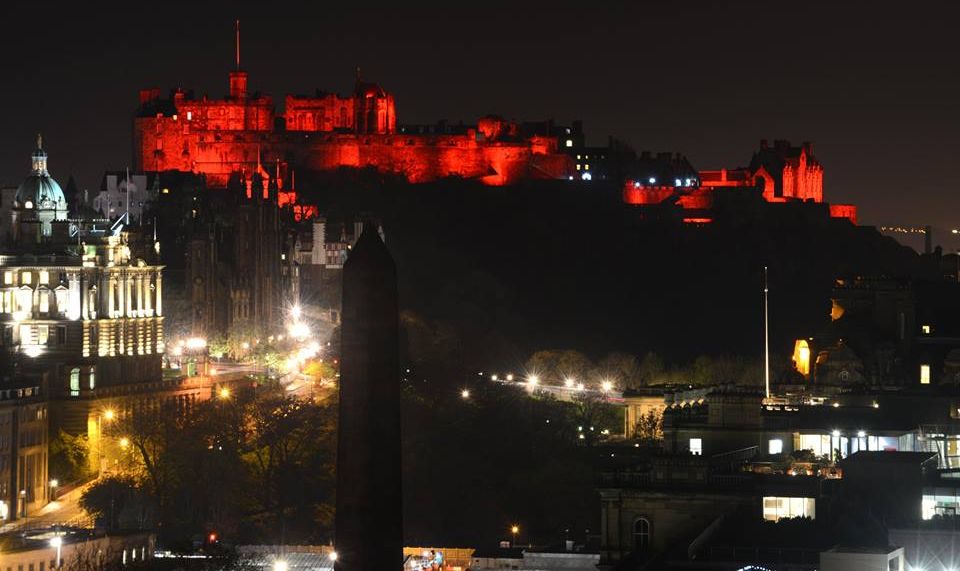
(641, 534)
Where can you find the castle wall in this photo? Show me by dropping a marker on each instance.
(165, 143)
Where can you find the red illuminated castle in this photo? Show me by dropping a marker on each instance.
(219, 137)
(781, 173)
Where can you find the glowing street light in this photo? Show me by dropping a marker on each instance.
(514, 530)
(280, 565)
(196, 343)
(607, 386)
(568, 382)
(493, 377)
(533, 380)
(124, 442)
(224, 393)
(580, 387)
(109, 414)
(333, 556)
(510, 377)
(465, 394)
(295, 312)
(57, 541)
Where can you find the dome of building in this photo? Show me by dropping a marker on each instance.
(39, 190)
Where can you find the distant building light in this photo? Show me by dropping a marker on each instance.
(926, 329)
(586, 167)
(687, 182)
(569, 142)
(586, 176)
(924, 374)
(652, 180)
(636, 184)
(696, 446)
(677, 181)
(578, 166)
(775, 446)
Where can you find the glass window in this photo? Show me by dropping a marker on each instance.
(44, 301)
(775, 446)
(696, 446)
(26, 277)
(775, 508)
(75, 382)
(924, 374)
(43, 334)
(641, 534)
(93, 380)
(44, 277)
(8, 277)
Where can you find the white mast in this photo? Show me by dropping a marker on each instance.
(766, 334)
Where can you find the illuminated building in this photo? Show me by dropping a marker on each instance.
(125, 193)
(80, 305)
(781, 173)
(219, 137)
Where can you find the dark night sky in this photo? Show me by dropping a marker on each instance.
(874, 85)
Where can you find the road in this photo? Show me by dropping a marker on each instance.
(65, 511)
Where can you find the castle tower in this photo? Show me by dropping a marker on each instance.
(369, 531)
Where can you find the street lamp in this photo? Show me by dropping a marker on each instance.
(607, 386)
(54, 483)
(514, 530)
(57, 541)
(465, 394)
(333, 556)
(107, 415)
(280, 565)
(224, 393)
(568, 382)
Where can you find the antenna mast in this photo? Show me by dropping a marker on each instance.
(237, 30)
(766, 333)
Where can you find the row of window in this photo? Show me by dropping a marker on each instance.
(26, 277)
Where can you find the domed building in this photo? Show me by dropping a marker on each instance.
(39, 203)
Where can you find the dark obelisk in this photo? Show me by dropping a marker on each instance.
(369, 534)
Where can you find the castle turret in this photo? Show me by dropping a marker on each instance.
(369, 533)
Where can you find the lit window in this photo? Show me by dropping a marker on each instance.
(775, 446)
(93, 380)
(586, 167)
(677, 181)
(569, 142)
(925, 374)
(75, 382)
(43, 334)
(578, 166)
(775, 508)
(926, 330)
(44, 301)
(696, 446)
(44, 277)
(8, 278)
(586, 176)
(189, 115)
(26, 277)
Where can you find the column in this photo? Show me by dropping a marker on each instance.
(159, 295)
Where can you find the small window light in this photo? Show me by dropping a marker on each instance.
(652, 180)
(569, 142)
